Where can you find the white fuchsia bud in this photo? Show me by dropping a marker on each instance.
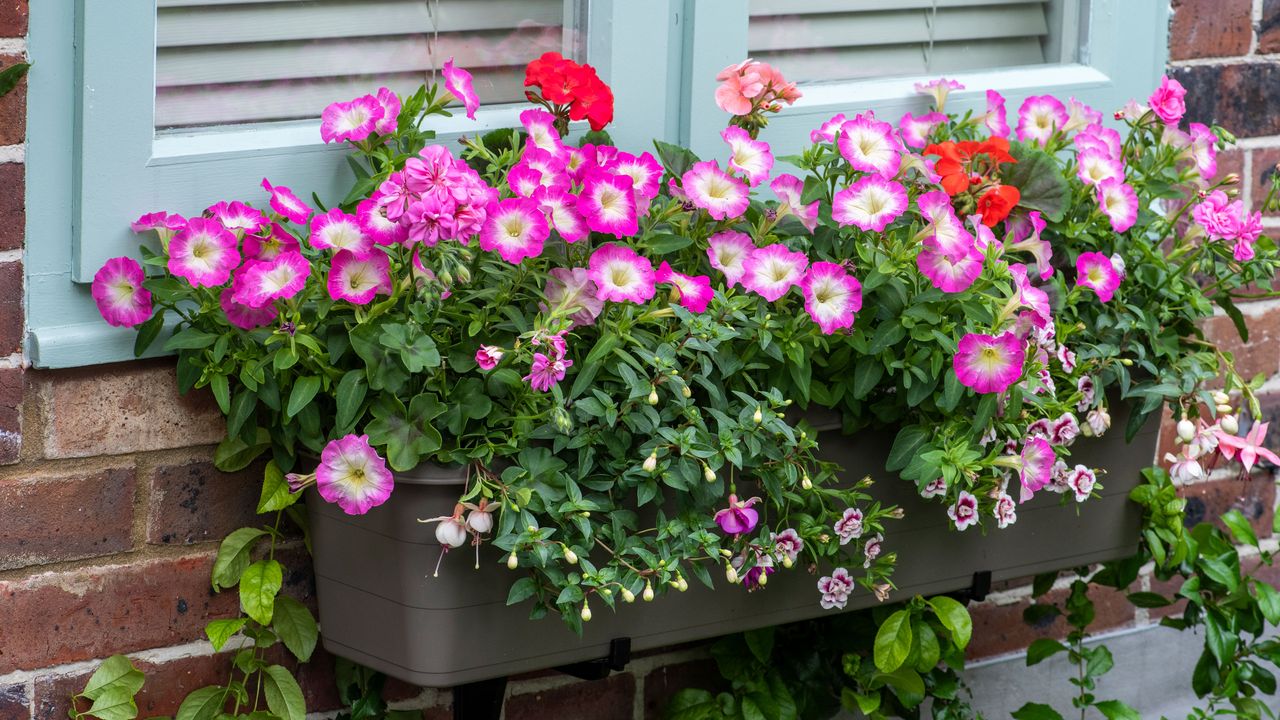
(726, 552)
(1186, 430)
(762, 579)
(682, 585)
(653, 396)
(586, 612)
(451, 532)
(513, 562)
(805, 482)
(730, 574)
(1220, 398)
(708, 474)
(480, 521)
(787, 562)
(628, 596)
(647, 595)
(569, 555)
(651, 462)
(1229, 424)
(757, 417)
(1224, 409)
(685, 391)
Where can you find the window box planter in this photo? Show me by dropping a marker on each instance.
(380, 605)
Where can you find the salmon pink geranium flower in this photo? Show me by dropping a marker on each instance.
(353, 476)
(117, 290)
(989, 364)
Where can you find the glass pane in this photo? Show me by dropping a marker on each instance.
(221, 62)
(829, 40)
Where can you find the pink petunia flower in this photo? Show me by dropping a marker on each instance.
(337, 230)
(871, 203)
(391, 106)
(771, 271)
(1024, 231)
(203, 252)
(165, 225)
(789, 190)
(915, 131)
(243, 316)
(236, 215)
(950, 269)
(1027, 295)
(284, 202)
(375, 225)
(996, 118)
(1167, 102)
(259, 282)
(1102, 138)
(831, 296)
(827, 131)
(1250, 447)
(353, 121)
(989, 363)
(488, 356)
(1094, 166)
(750, 157)
(1039, 117)
(269, 245)
(695, 291)
(849, 526)
(541, 127)
(728, 252)
(571, 290)
(739, 518)
(1081, 481)
(870, 145)
(608, 204)
(723, 196)
(1080, 115)
(1204, 150)
(645, 173)
(561, 209)
(964, 512)
(117, 290)
(459, 84)
(835, 589)
(359, 278)
(546, 372)
(620, 274)
(353, 476)
(1095, 271)
(1036, 469)
(1119, 203)
(938, 90)
(515, 228)
(1005, 511)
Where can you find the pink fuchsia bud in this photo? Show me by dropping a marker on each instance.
(488, 356)
(739, 517)
(480, 521)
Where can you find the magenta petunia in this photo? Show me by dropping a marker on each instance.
(561, 209)
(728, 252)
(871, 203)
(117, 290)
(1093, 166)
(541, 127)
(336, 230)
(376, 226)
(1024, 235)
(459, 84)
(694, 291)
(259, 282)
(773, 270)
(608, 204)
(989, 364)
(269, 245)
(790, 190)
(1167, 102)
(391, 106)
(515, 228)
(752, 158)
(284, 202)
(203, 252)
(870, 145)
(950, 268)
(353, 121)
(571, 291)
(964, 511)
(915, 131)
(1027, 295)
(353, 476)
(243, 316)
(1119, 203)
(1039, 117)
(620, 274)
(237, 216)
(938, 89)
(1101, 138)
(831, 296)
(996, 119)
(1080, 115)
(1036, 471)
(826, 132)
(1095, 271)
(723, 196)
(643, 169)
(359, 278)
(739, 517)
(165, 224)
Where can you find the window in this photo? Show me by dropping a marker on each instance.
(177, 104)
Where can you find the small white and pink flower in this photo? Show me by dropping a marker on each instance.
(237, 216)
(723, 196)
(750, 157)
(488, 356)
(1064, 430)
(915, 131)
(934, 488)
(996, 119)
(938, 89)
(284, 202)
(849, 526)
(203, 252)
(260, 282)
(790, 190)
(872, 549)
(353, 476)
(1036, 471)
(835, 589)
(1082, 481)
(871, 203)
(1118, 202)
(787, 545)
(728, 252)
(964, 512)
(1095, 166)
(1039, 117)
(515, 228)
(353, 121)
(1005, 511)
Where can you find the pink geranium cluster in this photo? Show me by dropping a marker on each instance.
(1228, 220)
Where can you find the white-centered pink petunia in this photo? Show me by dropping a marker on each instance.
(790, 190)
(620, 274)
(570, 291)
(728, 252)
(353, 476)
(1025, 236)
(694, 290)
(1119, 203)
(541, 127)
(723, 196)
(165, 224)
(1101, 138)
(608, 204)
(203, 252)
(989, 364)
(336, 230)
(259, 282)
(1093, 166)
(996, 119)
(1039, 117)
(117, 290)
(1027, 295)
(773, 270)
(268, 245)
(826, 132)
(750, 157)
(1036, 467)
(1080, 115)
(459, 84)
(375, 224)
(871, 203)
(1095, 271)
(870, 145)
(964, 512)
(938, 89)
(950, 268)
(831, 296)
(644, 170)
(243, 316)
(561, 209)
(915, 131)
(391, 107)
(515, 228)
(236, 215)
(284, 202)
(354, 120)
(359, 278)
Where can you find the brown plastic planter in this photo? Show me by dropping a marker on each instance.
(380, 606)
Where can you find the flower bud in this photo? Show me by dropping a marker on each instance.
(730, 574)
(1225, 409)
(605, 592)
(805, 482)
(757, 417)
(647, 595)
(1186, 430)
(513, 562)
(561, 419)
(481, 522)
(726, 552)
(1127, 362)
(586, 612)
(708, 474)
(763, 579)
(532, 528)
(464, 274)
(628, 596)
(682, 584)
(653, 396)
(1231, 179)
(446, 278)
(569, 555)
(651, 462)
(1220, 398)
(451, 533)
(787, 562)
(685, 391)
(1229, 424)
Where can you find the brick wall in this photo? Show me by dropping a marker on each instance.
(110, 509)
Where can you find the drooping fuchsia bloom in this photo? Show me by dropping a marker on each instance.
(1095, 271)
(353, 476)
(849, 526)
(964, 512)
(750, 157)
(354, 120)
(989, 363)
(1036, 471)
(237, 216)
(203, 252)
(739, 518)
(488, 356)
(1039, 117)
(259, 282)
(1118, 202)
(870, 145)
(515, 228)
(284, 202)
(117, 289)
(789, 190)
(459, 83)
(359, 278)
(835, 589)
(996, 117)
(244, 316)
(773, 270)
(1250, 446)
(728, 252)
(337, 230)
(620, 274)
(723, 196)
(1167, 101)
(871, 203)
(938, 89)
(608, 204)
(755, 578)
(831, 296)
(695, 291)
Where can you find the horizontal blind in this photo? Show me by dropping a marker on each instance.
(221, 62)
(817, 40)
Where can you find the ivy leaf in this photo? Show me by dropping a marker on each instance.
(220, 631)
(893, 642)
(233, 557)
(1038, 179)
(1036, 711)
(284, 697)
(259, 585)
(296, 627)
(955, 618)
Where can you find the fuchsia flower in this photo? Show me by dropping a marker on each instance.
(964, 512)
(1118, 202)
(459, 84)
(237, 216)
(359, 278)
(1005, 511)
(1039, 117)
(1037, 466)
(831, 296)
(723, 196)
(376, 226)
(938, 90)
(1250, 446)
(390, 103)
(835, 589)
(695, 291)
(1095, 271)
(203, 252)
(571, 289)
(243, 316)
(546, 371)
(1167, 101)
(739, 518)
(353, 476)
(1081, 480)
(870, 145)
(339, 231)
(269, 245)
(750, 157)
(515, 228)
(1096, 165)
(488, 356)
(117, 290)
(354, 120)
(771, 271)
(849, 526)
(871, 203)
(284, 202)
(789, 190)
(259, 282)
(728, 252)
(620, 274)
(989, 364)
(827, 131)
(996, 117)
(608, 204)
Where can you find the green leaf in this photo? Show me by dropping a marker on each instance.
(259, 585)
(114, 702)
(1116, 710)
(955, 618)
(1240, 528)
(116, 670)
(1098, 661)
(1039, 180)
(203, 704)
(1043, 583)
(304, 389)
(1043, 648)
(275, 490)
(1268, 602)
(521, 590)
(666, 244)
(349, 396)
(284, 697)
(190, 339)
(1233, 312)
(1148, 600)
(242, 407)
(760, 642)
(221, 392)
(147, 333)
(234, 454)
(906, 446)
(296, 627)
(893, 642)
(11, 76)
(407, 434)
(233, 557)
(1036, 711)
(675, 159)
(220, 631)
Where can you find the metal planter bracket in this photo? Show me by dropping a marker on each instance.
(617, 659)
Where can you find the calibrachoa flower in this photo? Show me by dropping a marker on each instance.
(283, 201)
(546, 371)
(259, 282)
(835, 589)
(739, 518)
(1037, 465)
(608, 204)
(694, 291)
(1167, 101)
(337, 230)
(488, 356)
(723, 196)
(871, 550)
(117, 289)
(1005, 511)
(787, 545)
(849, 526)
(1119, 202)
(353, 476)
(728, 252)
(870, 145)
(1081, 480)
(772, 271)
(1064, 430)
(459, 84)
(934, 488)
(244, 316)
(203, 252)
(989, 363)
(789, 190)
(620, 274)
(359, 278)
(1039, 117)
(1094, 271)
(515, 228)
(750, 157)
(871, 203)
(964, 511)
(831, 296)
(353, 121)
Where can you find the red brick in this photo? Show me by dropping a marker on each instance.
(610, 699)
(47, 518)
(999, 629)
(1237, 96)
(12, 199)
(11, 318)
(662, 684)
(196, 502)
(1269, 29)
(14, 704)
(13, 108)
(1261, 354)
(1254, 497)
(11, 389)
(124, 408)
(13, 18)
(1210, 28)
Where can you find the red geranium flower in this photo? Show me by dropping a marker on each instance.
(569, 90)
(959, 161)
(996, 203)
